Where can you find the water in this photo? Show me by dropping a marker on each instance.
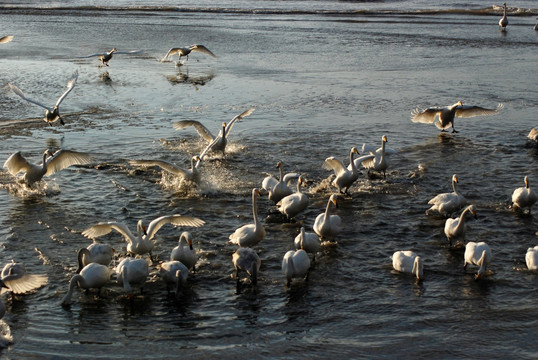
(323, 76)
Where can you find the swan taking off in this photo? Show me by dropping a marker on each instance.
(105, 57)
(192, 174)
(57, 161)
(142, 243)
(478, 254)
(344, 177)
(6, 39)
(250, 234)
(377, 159)
(447, 203)
(455, 228)
(185, 51)
(327, 226)
(503, 23)
(295, 264)
(524, 197)
(52, 114)
(132, 273)
(175, 275)
(184, 251)
(531, 258)
(247, 260)
(92, 276)
(293, 204)
(16, 278)
(408, 262)
(95, 253)
(446, 114)
(278, 189)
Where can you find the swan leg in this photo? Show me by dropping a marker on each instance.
(61, 120)
(453, 128)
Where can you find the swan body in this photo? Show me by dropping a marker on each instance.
(455, 228)
(344, 177)
(132, 273)
(524, 197)
(174, 273)
(503, 23)
(478, 254)
(95, 253)
(92, 276)
(6, 338)
(533, 134)
(19, 281)
(52, 114)
(184, 251)
(185, 51)
(446, 115)
(378, 161)
(408, 262)
(307, 241)
(142, 243)
(531, 258)
(250, 234)
(447, 203)
(293, 204)
(327, 225)
(247, 260)
(278, 189)
(192, 174)
(295, 264)
(105, 57)
(6, 39)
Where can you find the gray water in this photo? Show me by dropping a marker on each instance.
(321, 82)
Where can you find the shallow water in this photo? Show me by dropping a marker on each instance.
(320, 83)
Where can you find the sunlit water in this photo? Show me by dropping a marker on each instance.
(320, 83)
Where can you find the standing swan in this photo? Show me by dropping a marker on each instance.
(408, 262)
(184, 251)
(524, 197)
(278, 189)
(175, 274)
(15, 277)
(293, 204)
(504, 21)
(295, 264)
(531, 258)
(309, 242)
(455, 228)
(92, 276)
(344, 177)
(447, 203)
(132, 272)
(95, 253)
(51, 113)
(379, 161)
(327, 225)
(250, 234)
(247, 260)
(478, 254)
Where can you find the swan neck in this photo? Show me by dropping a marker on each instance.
(255, 207)
(81, 254)
(454, 186)
(72, 284)
(351, 162)
(482, 263)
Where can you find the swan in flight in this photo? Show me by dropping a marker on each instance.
(307, 241)
(293, 204)
(185, 51)
(92, 276)
(446, 115)
(408, 262)
(533, 135)
(52, 114)
(327, 225)
(247, 260)
(377, 159)
(105, 57)
(531, 258)
(143, 242)
(524, 197)
(447, 203)
(192, 174)
(132, 273)
(250, 234)
(478, 254)
(504, 21)
(344, 177)
(95, 253)
(19, 281)
(174, 274)
(55, 162)
(6, 39)
(278, 189)
(455, 228)
(295, 264)
(184, 251)
(215, 143)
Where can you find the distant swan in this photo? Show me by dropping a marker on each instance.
(247, 260)
(184, 251)
(105, 57)
(447, 203)
(92, 276)
(95, 253)
(174, 274)
(132, 273)
(185, 51)
(531, 258)
(478, 254)
(51, 113)
(504, 21)
(250, 234)
(307, 241)
(295, 264)
(524, 197)
(192, 174)
(446, 115)
(455, 228)
(278, 189)
(327, 226)
(344, 177)
(408, 262)
(19, 281)
(293, 204)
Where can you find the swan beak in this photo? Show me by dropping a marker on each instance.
(474, 214)
(258, 192)
(460, 103)
(144, 230)
(190, 244)
(335, 202)
(278, 165)
(456, 179)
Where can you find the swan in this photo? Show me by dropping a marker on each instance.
(52, 114)
(536, 25)
(478, 254)
(446, 115)
(132, 273)
(215, 143)
(174, 273)
(531, 258)
(278, 189)
(408, 262)
(185, 51)
(247, 260)
(6, 338)
(6, 39)
(141, 243)
(378, 161)
(184, 251)
(16, 278)
(192, 174)
(95, 253)
(56, 161)
(533, 135)
(105, 57)
(524, 197)
(250, 234)
(326, 225)
(344, 177)
(455, 228)
(307, 241)
(504, 21)
(447, 203)
(92, 276)
(295, 264)
(293, 204)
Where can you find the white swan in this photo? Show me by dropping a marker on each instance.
(52, 114)
(295, 264)
(6, 338)
(92, 276)
(19, 281)
(184, 251)
(307, 241)
(278, 189)
(408, 262)
(378, 161)
(293, 204)
(524, 197)
(105, 57)
(6, 39)
(174, 274)
(447, 203)
(455, 228)
(478, 254)
(531, 258)
(57, 161)
(504, 21)
(215, 143)
(95, 253)
(192, 174)
(142, 243)
(446, 114)
(533, 134)
(247, 260)
(344, 177)
(327, 225)
(250, 234)
(132, 273)
(185, 51)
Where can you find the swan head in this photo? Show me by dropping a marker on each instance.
(186, 236)
(278, 165)
(354, 150)
(334, 199)
(384, 139)
(113, 50)
(140, 228)
(472, 210)
(455, 178)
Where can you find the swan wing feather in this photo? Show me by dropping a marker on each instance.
(64, 158)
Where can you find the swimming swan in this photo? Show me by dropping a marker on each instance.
(132, 273)
(92, 276)
(524, 197)
(250, 234)
(278, 189)
(184, 251)
(174, 274)
(295, 264)
(447, 203)
(478, 254)
(307, 241)
(293, 204)
(531, 258)
(408, 262)
(455, 228)
(327, 225)
(247, 260)
(95, 253)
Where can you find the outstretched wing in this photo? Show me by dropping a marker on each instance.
(237, 118)
(202, 49)
(17, 163)
(470, 111)
(92, 55)
(424, 116)
(332, 163)
(269, 182)
(162, 164)
(64, 158)
(372, 150)
(176, 220)
(132, 52)
(25, 283)
(101, 229)
(70, 85)
(200, 129)
(19, 92)
(170, 52)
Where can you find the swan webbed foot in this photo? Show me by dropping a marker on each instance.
(61, 120)
(454, 130)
